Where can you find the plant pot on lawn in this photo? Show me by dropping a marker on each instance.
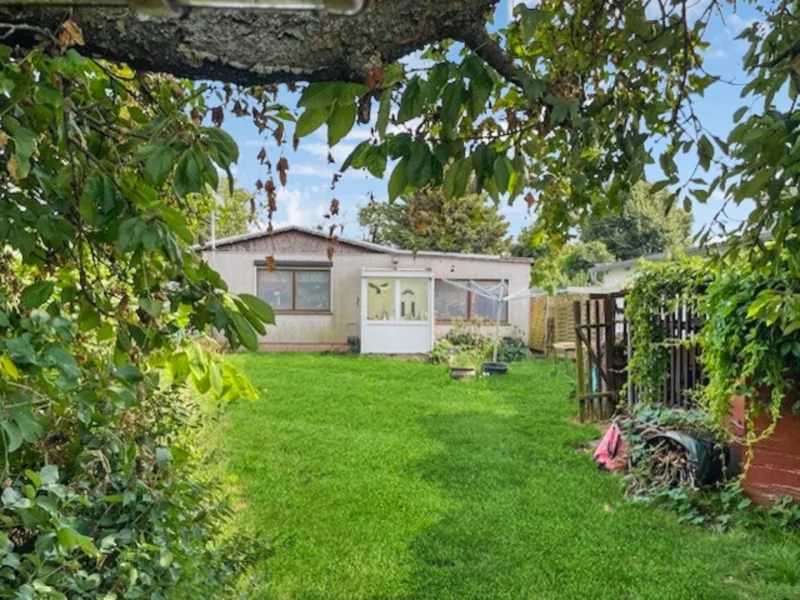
(775, 466)
(495, 368)
(462, 372)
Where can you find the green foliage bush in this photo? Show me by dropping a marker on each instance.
(751, 339)
(103, 305)
(660, 287)
(512, 349)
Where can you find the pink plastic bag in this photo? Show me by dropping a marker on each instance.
(610, 452)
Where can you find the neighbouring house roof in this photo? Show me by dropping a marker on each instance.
(626, 265)
(362, 244)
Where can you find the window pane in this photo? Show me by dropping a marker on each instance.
(313, 290)
(486, 308)
(380, 299)
(450, 302)
(275, 288)
(414, 299)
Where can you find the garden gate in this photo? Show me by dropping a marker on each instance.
(601, 351)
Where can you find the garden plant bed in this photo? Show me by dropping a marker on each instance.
(380, 478)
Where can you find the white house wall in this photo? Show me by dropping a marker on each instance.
(330, 331)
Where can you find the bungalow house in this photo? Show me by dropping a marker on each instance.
(385, 300)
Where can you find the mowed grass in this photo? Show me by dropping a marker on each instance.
(382, 478)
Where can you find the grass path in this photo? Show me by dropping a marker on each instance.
(380, 478)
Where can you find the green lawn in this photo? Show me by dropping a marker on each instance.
(381, 478)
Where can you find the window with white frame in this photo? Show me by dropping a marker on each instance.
(452, 302)
(295, 290)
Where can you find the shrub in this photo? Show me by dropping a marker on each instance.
(442, 352)
(512, 349)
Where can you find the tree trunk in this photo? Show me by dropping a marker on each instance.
(256, 46)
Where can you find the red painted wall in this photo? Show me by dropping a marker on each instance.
(775, 468)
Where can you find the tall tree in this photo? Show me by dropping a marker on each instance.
(429, 220)
(234, 211)
(645, 226)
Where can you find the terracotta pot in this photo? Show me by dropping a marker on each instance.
(775, 467)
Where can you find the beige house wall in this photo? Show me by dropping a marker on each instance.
(316, 332)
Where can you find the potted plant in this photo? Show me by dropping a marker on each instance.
(464, 367)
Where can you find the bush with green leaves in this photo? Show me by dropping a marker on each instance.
(103, 303)
(512, 349)
(751, 339)
(467, 335)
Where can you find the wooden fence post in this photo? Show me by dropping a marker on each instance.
(576, 307)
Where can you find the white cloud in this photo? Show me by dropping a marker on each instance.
(254, 143)
(339, 151)
(739, 24)
(310, 170)
(360, 133)
(295, 208)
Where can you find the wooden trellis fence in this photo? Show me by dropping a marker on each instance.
(684, 371)
(603, 347)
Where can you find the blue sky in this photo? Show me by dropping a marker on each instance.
(306, 198)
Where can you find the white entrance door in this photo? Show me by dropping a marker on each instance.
(396, 311)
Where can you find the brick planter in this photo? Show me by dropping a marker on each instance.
(775, 468)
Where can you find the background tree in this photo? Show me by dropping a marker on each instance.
(234, 212)
(568, 265)
(645, 226)
(429, 220)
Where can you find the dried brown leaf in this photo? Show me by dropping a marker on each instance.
(70, 35)
(283, 166)
(217, 116)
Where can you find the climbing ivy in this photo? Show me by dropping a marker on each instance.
(660, 288)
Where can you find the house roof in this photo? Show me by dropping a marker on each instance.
(253, 235)
(625, 265)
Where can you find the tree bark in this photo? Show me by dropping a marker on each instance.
(256, 46)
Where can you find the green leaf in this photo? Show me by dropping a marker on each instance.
(189, 177)
(48, 474)
(325, 95)
(130, 374)
(311, 120)
(658, 186)
(457, 178)
(25, 146)
(559, 112)
(341, 121)
(357, 156)
(159, 163)
(480, 89)
(399, 180)
(151, 306)
(36, 294)
(452, 101)
(740, 112)
(705, 152)
(502, 173)
(261, 309)
(411, 103)
(384, 108)
(224, 150)
(531, 19)
(13, 435)
(420, 169)
(375, 162)
(247, 335)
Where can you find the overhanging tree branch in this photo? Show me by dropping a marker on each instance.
(253, 47)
